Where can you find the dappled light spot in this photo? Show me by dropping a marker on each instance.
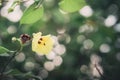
(88, 44)
(117, 27)
(61, 31)
(84, 68)
(43, 73)
(57, 61)
(55, 40)
(68, 39)
(95, 69)
(86, 28)
(95, 72)
(20, 57)
(105, 48)
(110, 20)
(80, 38)
(29, 66)
(86, 11)
(59, 49)
(95, 59)
(64, 37)
(49, 66)
(51, 55)
(12, 29)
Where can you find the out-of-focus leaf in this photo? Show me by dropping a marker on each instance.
(32, 14)
(4, 55)
(16, 72)
(98, 39)
(3, 50)
(71, 5)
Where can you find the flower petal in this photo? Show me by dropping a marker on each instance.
(42, 44)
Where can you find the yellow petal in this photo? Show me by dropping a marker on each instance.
(42, 44)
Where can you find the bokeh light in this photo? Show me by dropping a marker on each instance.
(84, 69)
(80, 38)
(117, 27)
(57, 60)
(105, 48)
(43, 73)
(86, 11)
(88, 44)
(110, 20)
(95, 72)
(51, 55)
(49, 66)
(59, 49)
(95, 59)
(86, 28)
(12, 29)
(20, 57)
(29, 66)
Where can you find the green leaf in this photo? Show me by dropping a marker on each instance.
(16, 72)
(32, 14)
(13, 72)
(3, 50)
(71, 5)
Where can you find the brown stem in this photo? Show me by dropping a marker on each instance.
(98, 70)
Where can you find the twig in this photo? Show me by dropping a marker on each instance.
(5, 66)
(39, 4)
(98, 70)
(102, 76)
(12, 57)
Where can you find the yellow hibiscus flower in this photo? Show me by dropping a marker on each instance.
(42, 44)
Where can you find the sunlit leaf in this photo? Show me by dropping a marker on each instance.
(71, 5)
(32, 14)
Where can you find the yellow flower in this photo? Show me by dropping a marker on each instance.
(42, 44)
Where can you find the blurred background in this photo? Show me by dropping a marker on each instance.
(87, 42)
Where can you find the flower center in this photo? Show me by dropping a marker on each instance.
(41, 41)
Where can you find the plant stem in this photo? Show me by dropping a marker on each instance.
(5, 66)
(39, 4)
(98, 70)
(10, 59)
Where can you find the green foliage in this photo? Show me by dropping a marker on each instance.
(71, 5)
(14, 72)
(3, 50)
(32, 14)
(81, 36)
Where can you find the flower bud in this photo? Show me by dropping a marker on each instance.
(24, 38)
(14, 39)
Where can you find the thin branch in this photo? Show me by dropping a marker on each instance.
(39, 4)
(102, 76)
(98, 70)
(11, 58)
(5, 66)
